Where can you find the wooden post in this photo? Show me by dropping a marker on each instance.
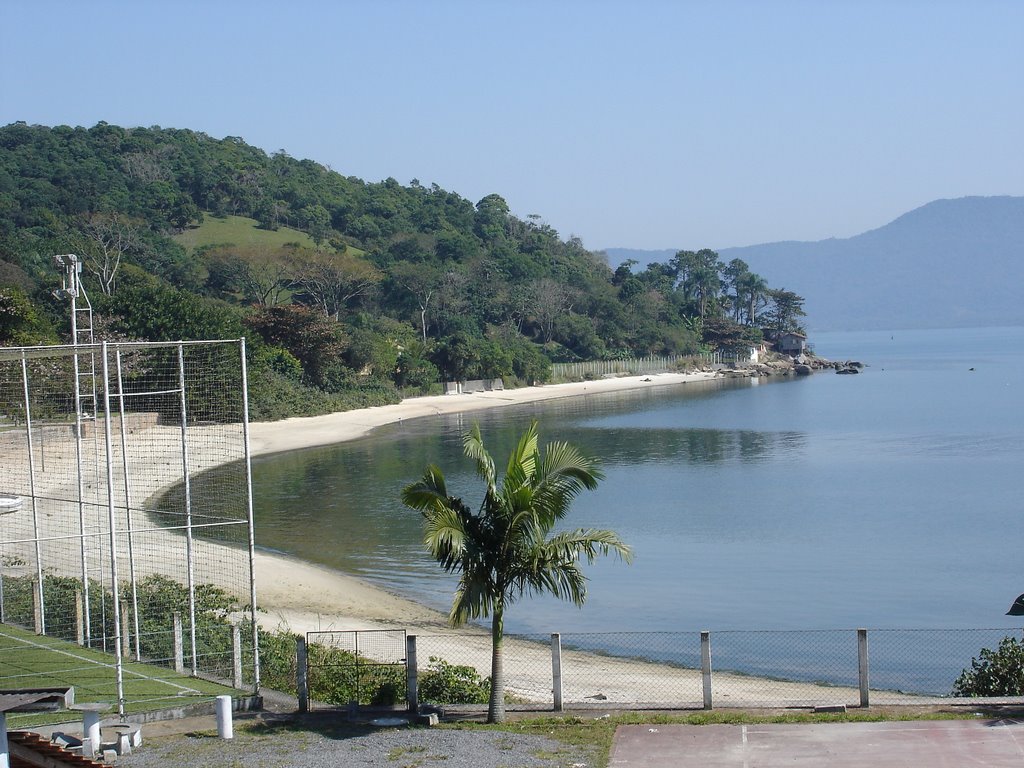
(863, 666)
(179, 646)
(79, 618)
(301, 679)
(705, 666)
(556, 670)
(236, 656)
(412, 674)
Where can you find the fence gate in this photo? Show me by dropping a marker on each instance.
(366, 667)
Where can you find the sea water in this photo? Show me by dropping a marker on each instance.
(888, 499)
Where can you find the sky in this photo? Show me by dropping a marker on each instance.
(634, 123)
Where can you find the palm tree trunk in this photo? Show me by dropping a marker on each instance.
(496, 706)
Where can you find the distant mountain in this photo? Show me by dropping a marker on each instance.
(946, 264)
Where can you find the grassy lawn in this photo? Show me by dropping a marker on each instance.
(28, 660)
(240, 231)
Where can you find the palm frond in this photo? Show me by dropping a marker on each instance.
(473, 448)
(426, 493)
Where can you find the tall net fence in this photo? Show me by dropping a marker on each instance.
(125, 512)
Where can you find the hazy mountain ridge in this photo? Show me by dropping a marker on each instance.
(948, 263)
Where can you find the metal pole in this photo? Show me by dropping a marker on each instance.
(128, 507)
(32, 490)
(250, 519)
(82, 527)
(112, 526)
(188, 511)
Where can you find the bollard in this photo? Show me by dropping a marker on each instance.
(225, 728)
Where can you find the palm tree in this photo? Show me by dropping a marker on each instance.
(507, 548)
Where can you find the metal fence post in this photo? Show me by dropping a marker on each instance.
(705, 666)
(556, 670)
(863, 665)
(301, 677)
(412, 674)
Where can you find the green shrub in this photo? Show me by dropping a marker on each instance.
(446, 683)
(994, 673)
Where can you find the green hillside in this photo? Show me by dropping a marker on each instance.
(351, 292)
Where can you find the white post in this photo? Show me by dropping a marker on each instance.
(412, 674)
(705, 666)
(32, 489)
(250, 520)
(190, 563)
(556, 670)
(91, 732)
(863, 665)
(225, 727)
(115, 587)
(128, 509)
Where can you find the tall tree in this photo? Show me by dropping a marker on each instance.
(784, 309)
(103, 241)
(332, 279)
(506, 549)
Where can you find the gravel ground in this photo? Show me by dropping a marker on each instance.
(327, 747)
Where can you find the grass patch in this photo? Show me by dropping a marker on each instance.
(240, 231)
(28, 660)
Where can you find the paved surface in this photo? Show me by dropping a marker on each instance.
(932, 743)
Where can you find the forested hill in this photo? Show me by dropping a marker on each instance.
(948, 263)
(349, 291)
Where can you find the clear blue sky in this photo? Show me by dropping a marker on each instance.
(636, 124)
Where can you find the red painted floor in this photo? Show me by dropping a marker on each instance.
(914, 744)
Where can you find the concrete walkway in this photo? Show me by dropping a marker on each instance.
(908, 744)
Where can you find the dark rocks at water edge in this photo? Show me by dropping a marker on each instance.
(789, 367)
(849, 367)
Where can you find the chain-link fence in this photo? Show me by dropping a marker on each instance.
(669, 670)
(125, 503)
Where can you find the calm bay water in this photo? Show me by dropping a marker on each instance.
(888, 499)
